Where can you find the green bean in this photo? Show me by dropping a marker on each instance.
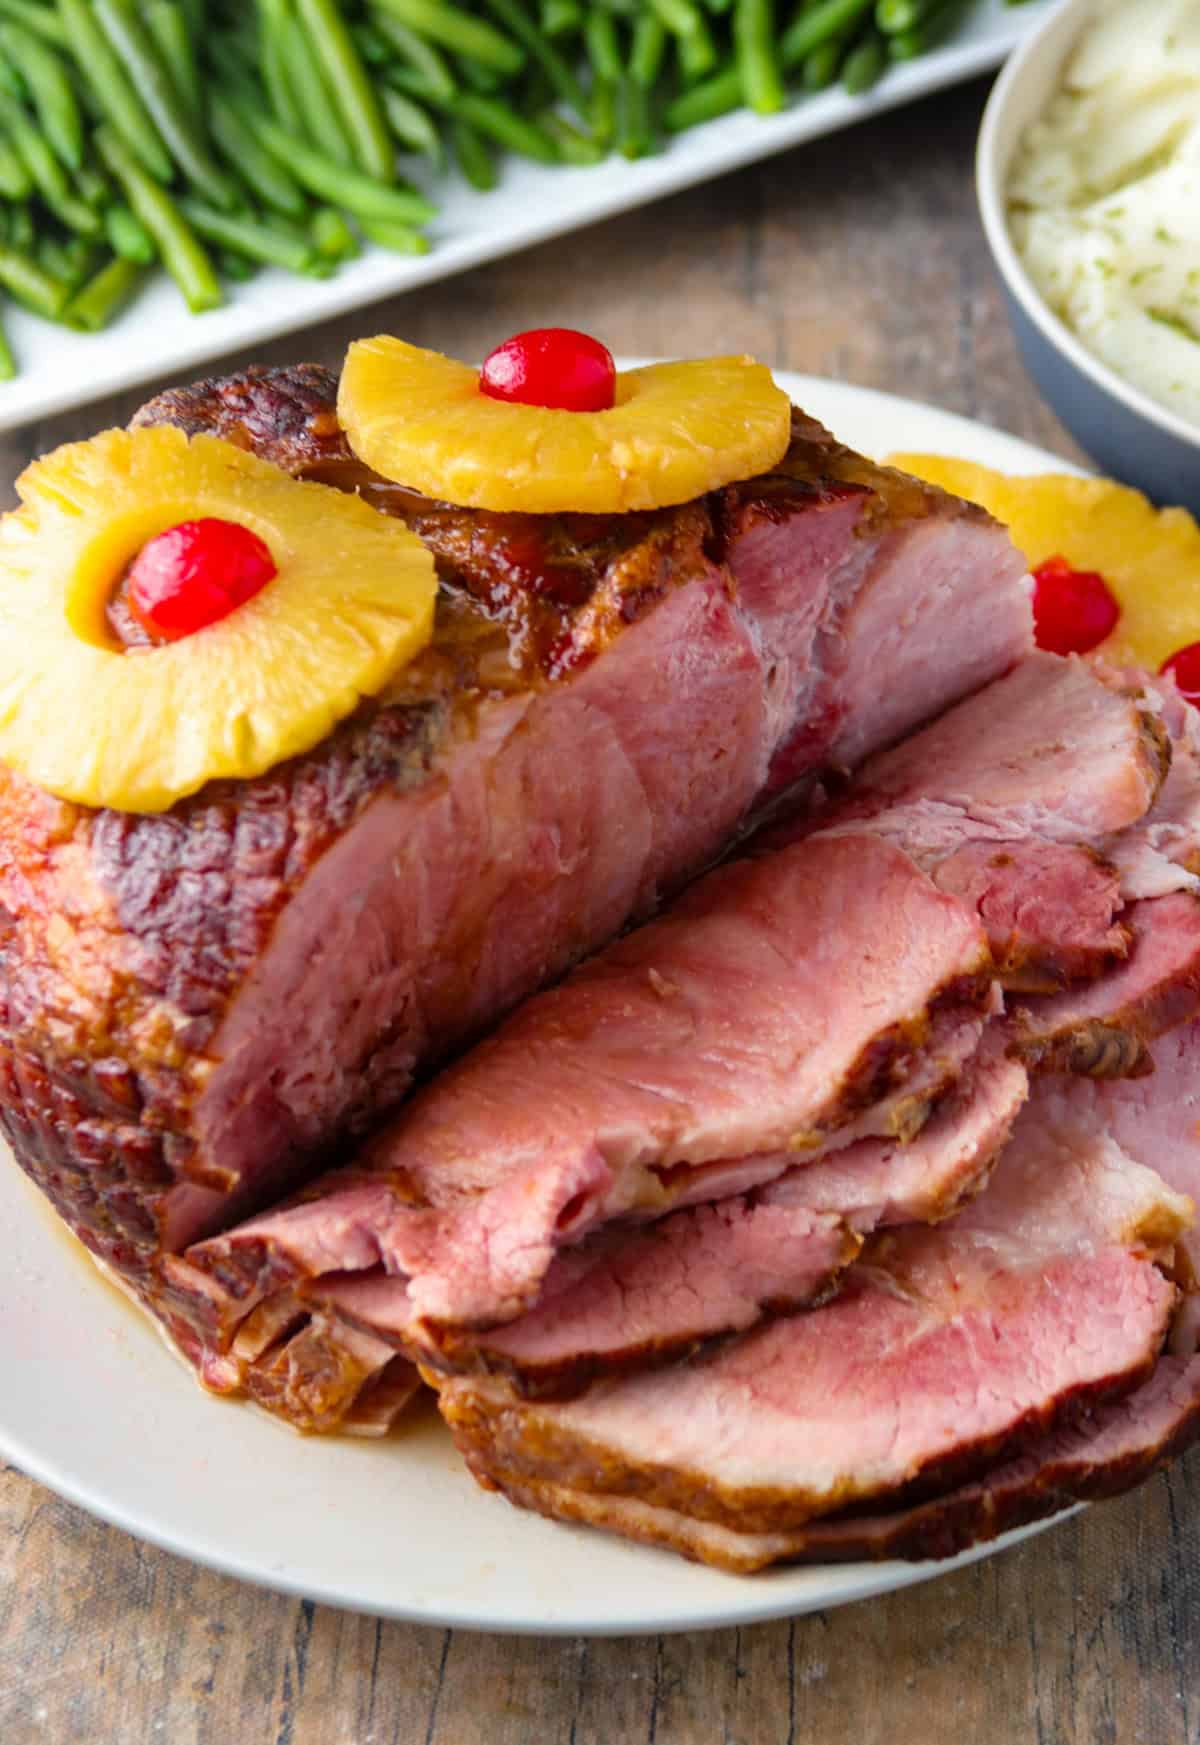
(411, 125)
(236, 267)
(894, 15)
(602, 44)
(474, 158)
(15, 181)
(332, 236)
(410, 83)
(371, 43)
(183, 255)
(697, 53)
(23, 279)
(458, 31)
(255, 237)
(685, 21)
(321, 122)
(104, 76)
(561, 17)
(864, 64)
(422, 56)
(182, 134)
(350, 189)
(906, 45)
(353, 92)
(496, 120)
(574, 146)
(264, 175)
(65, 260)
(49, 177)
(167, 23)
(10, 80)
(635, 130)
(92, 187)
(602, 111)
(44, 21)
(20, 227)
(50, 89)
(758, 63)
(517, 22)
(128, 236)
(486, 80)
(811, 28)
(648, 50)
(822, 64)
(8, 363)
(719, 95)
(272, 21)
(397, 238)
(95, 303)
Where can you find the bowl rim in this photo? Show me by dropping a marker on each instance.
(990, 194)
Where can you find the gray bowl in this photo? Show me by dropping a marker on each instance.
(1130, 435)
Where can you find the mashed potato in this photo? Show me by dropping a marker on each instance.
(1104, 196)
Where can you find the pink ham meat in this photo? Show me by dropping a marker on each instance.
(1006, 801)
(1102, 1029)
(1111, 1449)
(785, 1005)
(948, 1349)
(608, 1304)
(1156, 1116)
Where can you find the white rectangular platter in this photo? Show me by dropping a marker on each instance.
(156, 336)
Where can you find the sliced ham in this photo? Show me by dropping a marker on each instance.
(1007, 799)
(781, 1007)
(1102, 1029)
(630, 1297)
(1108, 1452)
(947, 1348)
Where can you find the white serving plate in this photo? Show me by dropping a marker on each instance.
(157, 336)
(93, 1405)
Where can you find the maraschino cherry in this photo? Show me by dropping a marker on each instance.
(1184, 667)
(195, 574)
(554, 367)
(1073, 610)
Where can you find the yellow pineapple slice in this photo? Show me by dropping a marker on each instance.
(675, 431)
(351, 604)
(1149, 557)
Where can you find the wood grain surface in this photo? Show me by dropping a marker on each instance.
(859, 257)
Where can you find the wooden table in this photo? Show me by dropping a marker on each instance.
(860, 258)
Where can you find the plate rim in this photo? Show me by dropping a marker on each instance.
(771, 1594)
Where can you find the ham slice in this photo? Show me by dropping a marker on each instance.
(1110, 1451)
(1101, 1030)
(786, 1005)
(1008, 799)
(947, 1349)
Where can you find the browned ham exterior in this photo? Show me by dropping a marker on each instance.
(195, 1007)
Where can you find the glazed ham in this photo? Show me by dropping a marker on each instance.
(607, 704)
(947, 1349)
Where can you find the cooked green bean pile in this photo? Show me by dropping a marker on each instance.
(211, 138)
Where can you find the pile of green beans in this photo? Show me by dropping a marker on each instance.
(214, 137)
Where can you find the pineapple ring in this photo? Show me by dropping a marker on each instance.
(137, 730)
(1149, 558)
(675, 431)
